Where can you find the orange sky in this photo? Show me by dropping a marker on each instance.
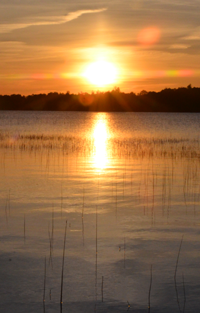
(48, 46)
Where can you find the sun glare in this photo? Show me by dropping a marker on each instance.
(101, 73)
(100, 140)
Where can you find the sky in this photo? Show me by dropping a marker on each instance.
(84, 46)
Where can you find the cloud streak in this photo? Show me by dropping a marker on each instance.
(179, 46)
(195, 35)
(7, 28)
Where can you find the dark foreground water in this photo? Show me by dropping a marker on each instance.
(128, 186)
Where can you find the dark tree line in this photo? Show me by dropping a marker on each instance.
(167, 100)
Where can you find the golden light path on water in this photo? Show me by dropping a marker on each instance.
(100, 135)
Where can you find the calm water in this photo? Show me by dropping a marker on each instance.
(128, 185)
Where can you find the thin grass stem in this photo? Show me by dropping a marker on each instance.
(149, 295)
(62, 273)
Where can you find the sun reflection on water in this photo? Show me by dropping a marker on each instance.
(100, 135)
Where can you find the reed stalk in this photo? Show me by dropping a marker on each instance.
(124, 252)
(52, 228)
(6, 213)
(24, 228)
(9, 201)
(50, 247)
(62, 272)
(149, 295)
(44, 289)
(61, 200)
(175, 272)
(102, 289)
(184, 293)
(116, 196)
(96, 263)
(83, 237)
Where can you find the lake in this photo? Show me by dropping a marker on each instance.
(126, 189)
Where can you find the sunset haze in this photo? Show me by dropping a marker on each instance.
(50, 45)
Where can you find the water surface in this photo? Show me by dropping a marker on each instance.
(127, 184)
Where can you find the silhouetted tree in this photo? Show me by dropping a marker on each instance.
(167, 100)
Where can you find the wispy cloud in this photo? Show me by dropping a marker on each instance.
(179, 46)
(195, 35)
(6, 28)
(192, 37)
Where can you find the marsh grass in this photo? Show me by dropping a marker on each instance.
(149, 151)
(132, 147)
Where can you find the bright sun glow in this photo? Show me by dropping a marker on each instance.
(100, 139)
(101, 73)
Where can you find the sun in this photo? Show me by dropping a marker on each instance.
(101, 73)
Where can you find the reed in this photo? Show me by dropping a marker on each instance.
(62, 272)
(124, 252)
(24, 228)
(61, 200)
(175, 273)
(153, 196)
(44, 289)
(184, 293)
(9, 201)
(102, 281)
(52, 227)
(123, 184)
(83, 233)
(169, 196)
(149, 294)
(131, 182)
(6, 211)
(51, 239)
(7, 206)
(96, 262)
(50, 247)
(116, 198)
